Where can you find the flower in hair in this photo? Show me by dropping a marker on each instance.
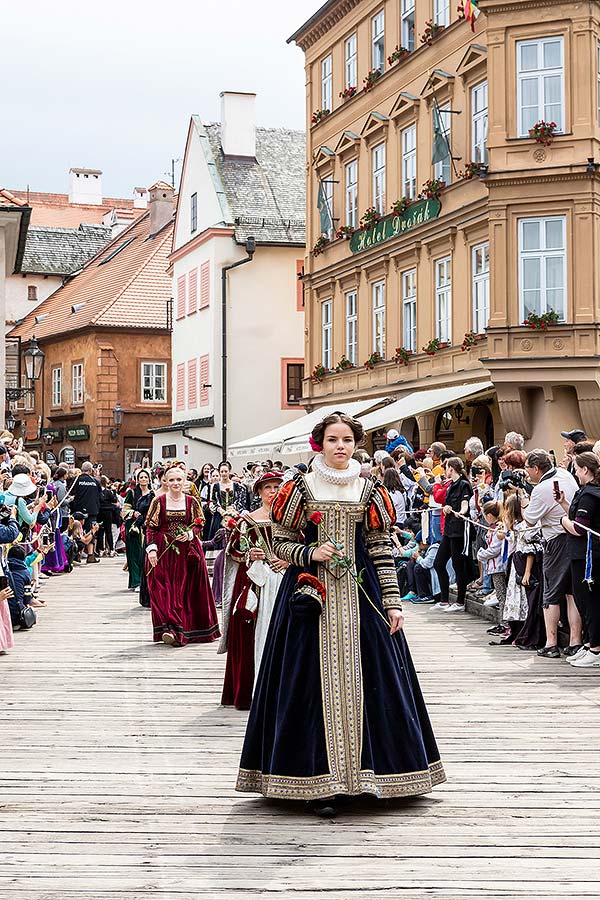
(316, 447)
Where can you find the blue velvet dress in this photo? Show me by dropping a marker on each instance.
(337, 707)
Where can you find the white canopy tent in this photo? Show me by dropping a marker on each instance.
(421, 402)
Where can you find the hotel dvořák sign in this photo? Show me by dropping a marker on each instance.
(392, 226)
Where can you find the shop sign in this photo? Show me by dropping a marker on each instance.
(78, 433)
(392, 226)
(55, 433)
(51, 458)
(67, 455)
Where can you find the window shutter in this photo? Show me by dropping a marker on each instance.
(204, 380)
(180, 394)
(181, 297)
(204, 285)
(192, 384)
(192, 291)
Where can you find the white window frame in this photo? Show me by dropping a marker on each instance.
(443, 298)
(407, 28)
(77, 383)
(151, 374)
(443, 168)
(328, 194)
(352, 326)
(480, 286)
(479, 123)
(378, 41)
(351, 188)
(351, 61)
(543, 254)
(378, 177)
(327, 333)
(378, 306)
(327, 82)
(409, 309)
(541, 74)
(56, 392)
(441, 12)
(409, 162)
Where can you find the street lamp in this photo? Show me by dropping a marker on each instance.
(34, 360)
(117, 414)
(11, 422)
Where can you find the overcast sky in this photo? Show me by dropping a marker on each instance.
(112, 85)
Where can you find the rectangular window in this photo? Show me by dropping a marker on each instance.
(352, 326)
(326, 334)
(204, 380)
(32, 292)
(378, 169)
(352, 194)
(409, 310)
(77, 383)
(180, 388)
(205, 285)
(192, 383)
(351, 62)
(479, 123)
(180, 313)
(327, 183)
(443, 168)
(540, 83)
(443, 298)
(379, 317)
(480, 276)
(378, 41)
(441, 12)
(327, 83)
(409, 162)
(294, 376)
(408, 25)
(57, 386)
(154, 382)
(193, 212)
(542, 266)
(192, 291)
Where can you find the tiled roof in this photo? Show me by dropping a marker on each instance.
(55, 210)
(266, 195)
(62, 251)
(125, 286)
(9, 199)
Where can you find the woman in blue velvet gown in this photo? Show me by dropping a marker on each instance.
(337, 707)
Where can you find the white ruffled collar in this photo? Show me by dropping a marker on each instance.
(336, 476)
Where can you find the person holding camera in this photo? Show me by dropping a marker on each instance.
(550, 485)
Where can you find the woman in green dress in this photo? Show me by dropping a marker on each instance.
(134, 535)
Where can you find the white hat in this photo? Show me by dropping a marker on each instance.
(392, 434)
(21, 486)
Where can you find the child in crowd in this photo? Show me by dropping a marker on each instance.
(20, 583)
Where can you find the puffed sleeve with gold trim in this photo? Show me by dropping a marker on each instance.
(288, 516)
(197, 517)
(380, 515)
(234, 544)
(152, 525)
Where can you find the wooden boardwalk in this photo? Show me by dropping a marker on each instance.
(118, 764)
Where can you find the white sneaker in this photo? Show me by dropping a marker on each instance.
(491, 600)
(440, 605)
(589, 661)
(453, 587)
(455, 607)
(581, 652)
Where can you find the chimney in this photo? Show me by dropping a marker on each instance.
(85, 186)
(238, 124)
(160, 205)
(140, 198)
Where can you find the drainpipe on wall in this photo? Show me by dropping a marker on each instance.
(250, 250)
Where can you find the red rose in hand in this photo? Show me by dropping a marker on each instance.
(316, 517)
(230, 523)
(198, 522)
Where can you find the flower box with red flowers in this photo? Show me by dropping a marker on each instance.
(344, 233)
(402, 356)
(348, 92)
(319, 115)
(539, 323)
(320, 245)
(543, 132)
(432, 188)
(460, 9)
(372, 361)
(371, 78)
(400, 206)
(398, 54)
(432, 29)
(318, 374)
(434, 345)
(470, 339)
(344, 364)
(369, 218)
(474, 170)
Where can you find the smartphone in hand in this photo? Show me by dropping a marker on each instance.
(557, 491)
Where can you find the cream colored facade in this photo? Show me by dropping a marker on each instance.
(532, 219)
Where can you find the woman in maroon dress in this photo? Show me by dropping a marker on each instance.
(181, 600)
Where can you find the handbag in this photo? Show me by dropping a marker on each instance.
(27, 617)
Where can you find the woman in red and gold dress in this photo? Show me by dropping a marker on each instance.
(181, 600)
(252, 578)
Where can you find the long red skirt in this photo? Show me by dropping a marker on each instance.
(239, 670)
(181, 599)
